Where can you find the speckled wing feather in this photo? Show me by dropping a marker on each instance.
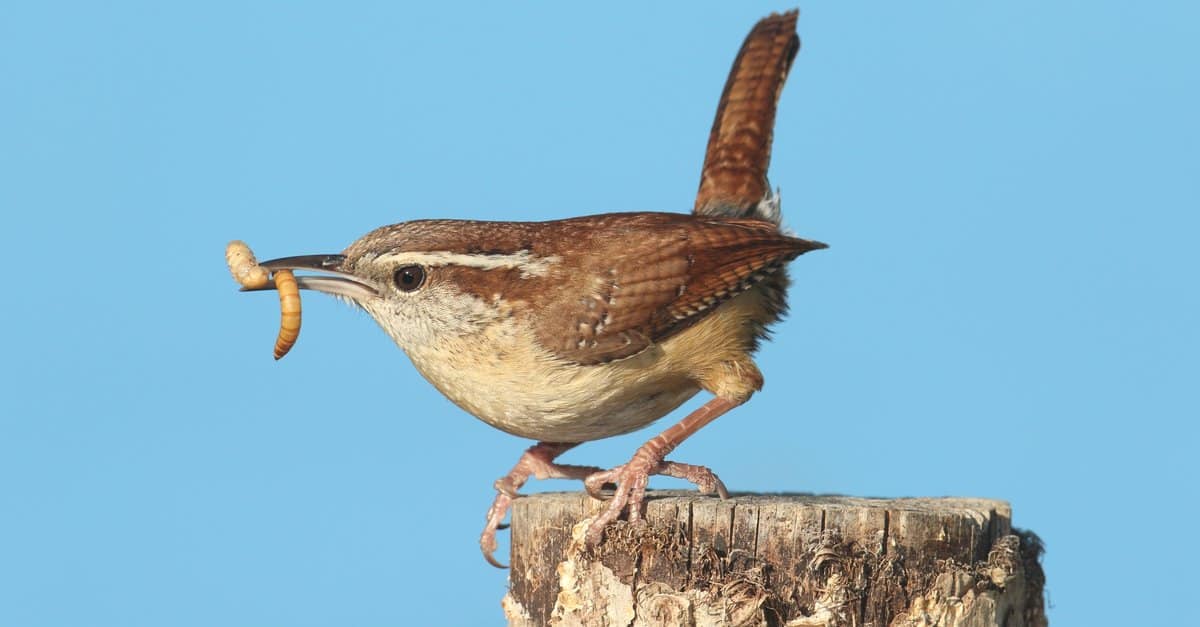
(734, 177)
(648, 288)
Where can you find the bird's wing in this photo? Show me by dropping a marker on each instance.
(644, 289)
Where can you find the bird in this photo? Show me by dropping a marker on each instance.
(573, 330)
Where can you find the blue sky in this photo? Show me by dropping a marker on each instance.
(1008, 308)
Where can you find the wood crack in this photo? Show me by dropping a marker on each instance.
(775, 560)
(887, 523)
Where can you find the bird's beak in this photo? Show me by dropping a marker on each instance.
(340, 283)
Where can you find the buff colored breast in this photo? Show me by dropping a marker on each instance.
(500, 376)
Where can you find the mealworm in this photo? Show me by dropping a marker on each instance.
(246, 271)
(289, 308)
(244, 267)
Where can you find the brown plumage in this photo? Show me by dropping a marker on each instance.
(574, 330)
(734, 177)
(621, 281)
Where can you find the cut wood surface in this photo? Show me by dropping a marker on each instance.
(787, 560)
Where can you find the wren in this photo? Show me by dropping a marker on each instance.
(573, 330)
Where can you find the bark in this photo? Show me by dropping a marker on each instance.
(780, 560)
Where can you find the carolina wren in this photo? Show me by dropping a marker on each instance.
(580, 329)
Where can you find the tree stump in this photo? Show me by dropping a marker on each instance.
(780, 560)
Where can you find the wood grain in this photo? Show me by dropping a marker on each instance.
(776, 560)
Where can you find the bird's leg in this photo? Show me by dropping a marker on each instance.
(537, 461)
(631, 478)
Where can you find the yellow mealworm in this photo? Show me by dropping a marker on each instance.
(289, 308)
(244, 267)
(246, 271)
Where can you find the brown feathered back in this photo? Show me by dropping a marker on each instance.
(604, 287)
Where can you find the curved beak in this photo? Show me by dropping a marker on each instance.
(339, 283)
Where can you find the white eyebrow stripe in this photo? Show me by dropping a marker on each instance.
(522, 260)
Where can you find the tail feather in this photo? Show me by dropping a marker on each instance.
(733, 182)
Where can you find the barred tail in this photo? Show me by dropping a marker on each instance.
(733, 182)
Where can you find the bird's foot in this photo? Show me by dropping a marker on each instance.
(632, 478)
(495, 516)
(537, 461)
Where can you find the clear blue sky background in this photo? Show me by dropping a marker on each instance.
(1009, 308)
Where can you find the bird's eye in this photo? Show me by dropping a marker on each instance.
(409, 278)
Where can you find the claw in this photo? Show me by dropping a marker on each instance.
(595, 487)
(650, 459)
(632, 479)
(491, 559)
(495, 518)
(538, 462)
(705, 480)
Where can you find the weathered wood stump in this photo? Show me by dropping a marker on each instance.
(787, 560)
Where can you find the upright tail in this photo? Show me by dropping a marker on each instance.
(733, 182)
